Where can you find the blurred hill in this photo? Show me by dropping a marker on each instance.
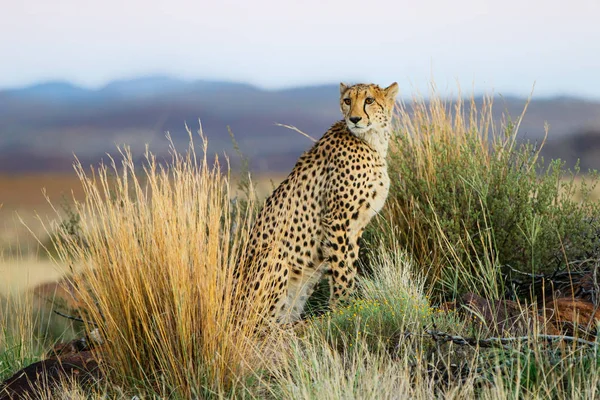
(582, 145)
(42, 126)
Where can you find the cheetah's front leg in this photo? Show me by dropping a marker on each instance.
(342, 255)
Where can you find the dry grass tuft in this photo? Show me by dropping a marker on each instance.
(159, 248)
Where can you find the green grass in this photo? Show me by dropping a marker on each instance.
(389, 304)
(27, 331)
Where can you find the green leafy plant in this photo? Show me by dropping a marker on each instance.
(467, 198)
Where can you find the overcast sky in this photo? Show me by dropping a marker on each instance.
(501, 45)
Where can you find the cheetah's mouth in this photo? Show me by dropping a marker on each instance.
(358, 128)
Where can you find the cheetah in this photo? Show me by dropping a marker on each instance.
(310, 226)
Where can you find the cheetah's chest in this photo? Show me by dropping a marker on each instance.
(380, 191)
(378, 187)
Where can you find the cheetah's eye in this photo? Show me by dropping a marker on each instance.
(347, 101)
(369, 100)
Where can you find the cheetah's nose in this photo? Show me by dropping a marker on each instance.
(355, 119)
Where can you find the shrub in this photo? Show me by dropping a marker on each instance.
(391, 303)
(467, 198)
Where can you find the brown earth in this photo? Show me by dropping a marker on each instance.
(42, 377)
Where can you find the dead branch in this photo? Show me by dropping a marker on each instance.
(296, 130)
(70, 317)
(504, 342)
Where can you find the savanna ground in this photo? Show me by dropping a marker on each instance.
(456, 293)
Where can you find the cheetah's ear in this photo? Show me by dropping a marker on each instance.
(343, 88)
(391, 91)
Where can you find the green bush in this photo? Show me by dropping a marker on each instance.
(391, 304)
(467, 199)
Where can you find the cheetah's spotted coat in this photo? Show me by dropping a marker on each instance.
(310, 225)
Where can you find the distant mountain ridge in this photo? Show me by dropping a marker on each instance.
(43, 125)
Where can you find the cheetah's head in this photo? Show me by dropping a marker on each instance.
(367, 106)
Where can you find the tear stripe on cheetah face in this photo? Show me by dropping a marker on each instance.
(367, 110)
(309, 227)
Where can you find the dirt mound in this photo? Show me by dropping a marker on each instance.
(73, 362)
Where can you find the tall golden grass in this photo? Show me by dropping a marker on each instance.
(159, 248)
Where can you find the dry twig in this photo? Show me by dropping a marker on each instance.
(504, 342)
(297, 130)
